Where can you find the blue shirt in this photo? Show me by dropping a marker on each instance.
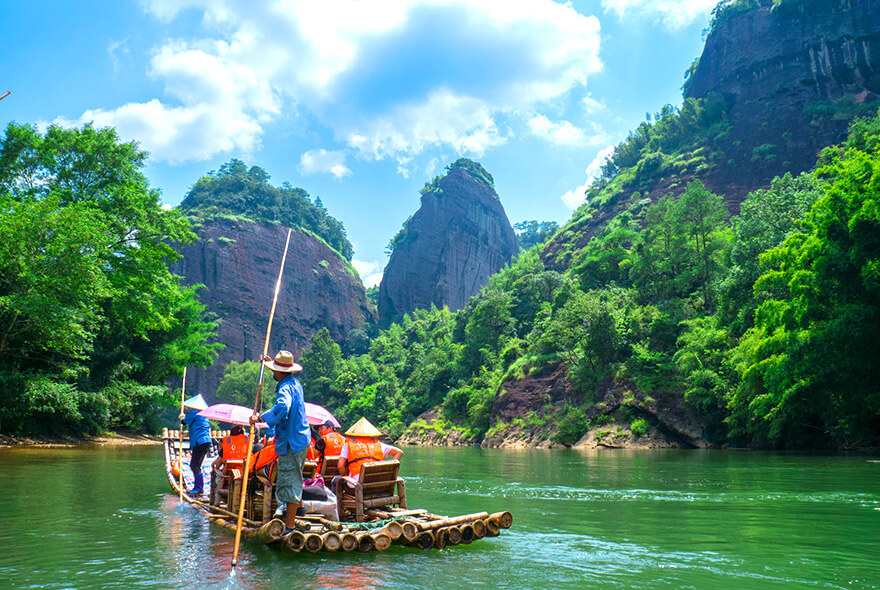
(288, 417)
(199, 429)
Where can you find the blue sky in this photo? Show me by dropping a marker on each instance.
(358, 102)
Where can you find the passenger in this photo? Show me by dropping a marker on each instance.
(288, 416)
(232, 447)
(330, 443)
(199, 443)
(361, 447)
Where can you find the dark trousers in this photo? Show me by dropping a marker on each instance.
(195, 463)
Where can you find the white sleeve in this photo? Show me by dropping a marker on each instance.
(386, 449)
(344, 451)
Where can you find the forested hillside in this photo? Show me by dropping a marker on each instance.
(762, 328)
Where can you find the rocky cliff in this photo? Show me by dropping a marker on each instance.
(446, 252)
(238, 262)
(793, 76)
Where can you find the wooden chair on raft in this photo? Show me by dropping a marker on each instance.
(330, 467)
(379, 486)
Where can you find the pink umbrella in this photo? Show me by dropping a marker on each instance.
(230, 413)
(316, 414)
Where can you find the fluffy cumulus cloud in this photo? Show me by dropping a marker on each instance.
(371, 272)
(324, 161)
(674, 14)
(576, 196)
(563, 133)
(387, 79)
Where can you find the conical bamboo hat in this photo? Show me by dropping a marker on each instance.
(196, 402)
(363, 428)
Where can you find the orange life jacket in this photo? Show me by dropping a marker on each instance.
(312, 454)
(362, 449)
(333, 443)
(234, 447)
(266, 455)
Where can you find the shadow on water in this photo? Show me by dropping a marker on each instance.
(102, 518)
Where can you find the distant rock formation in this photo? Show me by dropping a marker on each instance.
(238, 262)
(446, 252)
(793, 76)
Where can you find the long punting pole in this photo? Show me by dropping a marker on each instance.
(247, 463)
(180, 441)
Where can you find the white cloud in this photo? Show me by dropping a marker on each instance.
(370, 272)
(576, 196)
(388, 79)
(323, 161)
(674, 14)
(563, 133)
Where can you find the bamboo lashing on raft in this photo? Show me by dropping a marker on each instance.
(250, 440)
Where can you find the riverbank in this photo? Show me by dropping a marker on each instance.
(110, 439)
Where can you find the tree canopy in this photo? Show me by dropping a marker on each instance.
(235, 189)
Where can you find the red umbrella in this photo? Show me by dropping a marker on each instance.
(316, 414)
(230, 413)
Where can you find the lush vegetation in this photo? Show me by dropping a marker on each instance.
(92, 323)
(763, 327)
(238, 190)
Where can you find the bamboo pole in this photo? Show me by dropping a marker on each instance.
(332, 541)
(453, 536)
(349, 542)
(261, 535)
(505, 519)
(479, 529)
(440, 538)
(250, 440)
(493, 529)
(425, 540)
(467, 533)
(365, 542)
(293, 542)
(314, 542)
(445, 522)
(381, 541)
(410, 530)
(180, 438)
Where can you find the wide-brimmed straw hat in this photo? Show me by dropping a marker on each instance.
(283, 363)
(363, 428)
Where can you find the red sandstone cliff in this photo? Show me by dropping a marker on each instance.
(238, 263)
(447, 251)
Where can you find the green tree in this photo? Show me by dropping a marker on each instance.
(239, 383)
(85, 287)
(808, 367)
(322, 363)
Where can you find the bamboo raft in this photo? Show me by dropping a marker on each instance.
(382, 527)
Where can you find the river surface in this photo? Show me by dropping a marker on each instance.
(103, 518)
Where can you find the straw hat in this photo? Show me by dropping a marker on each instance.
(283, 363)
(363, 428)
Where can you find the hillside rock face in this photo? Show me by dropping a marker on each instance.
(238, 263)
(781, 70)
(793, 78)
(446, 252)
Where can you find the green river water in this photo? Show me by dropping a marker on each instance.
(103, 518)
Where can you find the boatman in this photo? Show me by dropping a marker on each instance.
(361, 447)
(292, 437)
(199, 440)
